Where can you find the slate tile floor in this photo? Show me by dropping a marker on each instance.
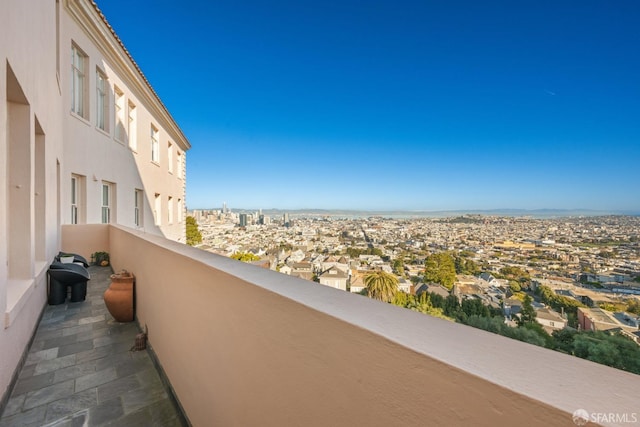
(80, 372)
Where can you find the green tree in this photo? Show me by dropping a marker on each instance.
(401, 299)
(245, 256)
(609, 349)
(528, 313)
(381, 285)
(194, 236)
(564, 339)
(516, 273)
(440, 268)
(421, 304)
(633, 306)
(398, 267)
(558, 302)
(464, 265)
(514, 286)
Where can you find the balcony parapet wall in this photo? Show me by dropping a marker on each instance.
(242, 345)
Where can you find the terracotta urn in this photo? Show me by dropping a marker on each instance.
(119, 296)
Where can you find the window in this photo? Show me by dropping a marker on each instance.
(180, 165)
(102, 101)
(157, 209)
(119, 113)
(138, 208)
(77, 199)
(78, 72)
(107, 197)
(180, 208)
(170, 157)
(155, 148)
(170, 211)
(132, 129)
(74, 200)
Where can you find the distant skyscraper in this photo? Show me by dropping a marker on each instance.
(285, 220)
(243, 220)
(224, 207)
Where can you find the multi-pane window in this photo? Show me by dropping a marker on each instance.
(170, 157)
(157, 208)
(119, 112)
(155, 148)
(138, 208)
(78, 73)
(106, 202)
(132, 129)
(102, 101)
(170, 211)
(77, 199)
(74, 200)
(180, 165)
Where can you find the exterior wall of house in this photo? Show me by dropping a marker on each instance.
(554, 324)
(334, 283)
(42, 143)
(30, 147)
(121, 154)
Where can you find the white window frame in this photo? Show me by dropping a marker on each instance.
(180, 164)
(132, 126)
(102, 101)
(157, 209)
(180, 213)
(137, 210)
(155, 145)
(106, 196)
(77, 202)
(170, 156)
(79, 61)
(170, 210)
(119, 110)
(74, 199)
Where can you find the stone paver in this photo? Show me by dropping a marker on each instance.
(80, 371)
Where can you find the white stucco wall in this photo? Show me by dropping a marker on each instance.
(29, 234)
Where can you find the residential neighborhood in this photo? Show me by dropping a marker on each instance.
(594, 261)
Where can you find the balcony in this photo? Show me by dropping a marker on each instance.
(241, 345)
(80, 371)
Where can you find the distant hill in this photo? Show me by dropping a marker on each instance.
(535, 213)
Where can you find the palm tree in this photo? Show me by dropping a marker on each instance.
(381, 285)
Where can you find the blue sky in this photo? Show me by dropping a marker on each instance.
(386, 105)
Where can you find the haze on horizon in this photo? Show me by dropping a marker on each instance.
(460, 105)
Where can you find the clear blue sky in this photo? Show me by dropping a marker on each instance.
(420, 105)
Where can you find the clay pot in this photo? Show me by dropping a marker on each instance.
(119, 296)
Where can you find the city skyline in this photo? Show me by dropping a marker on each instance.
(357, 106)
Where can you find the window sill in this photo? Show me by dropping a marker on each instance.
(18, 293)
(155, 163)
(104, 132)
(82, 119)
